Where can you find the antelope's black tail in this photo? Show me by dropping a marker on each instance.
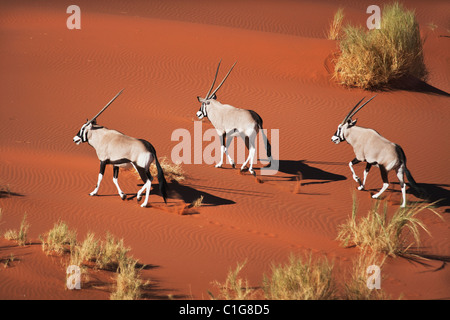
(161, 179)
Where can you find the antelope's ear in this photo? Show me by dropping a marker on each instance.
(351, 122)
(214, 97)
(200, 99)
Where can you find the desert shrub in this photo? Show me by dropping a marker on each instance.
(380, 233)
(377, 58)
(301, 279)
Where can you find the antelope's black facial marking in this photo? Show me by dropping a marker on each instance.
(81, 136)
(202, 112)
(338, 135)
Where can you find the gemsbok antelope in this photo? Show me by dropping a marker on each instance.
(230, 121)
(120, 151)
(369, 146)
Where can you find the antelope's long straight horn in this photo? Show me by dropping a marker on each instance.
(104, 108)
(212, 94)
(348, 114)
(362, 106)
(214, 82)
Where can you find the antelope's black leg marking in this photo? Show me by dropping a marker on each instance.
(222, 149)
(366, 172)
(384, 177)
(100, 177)
(122, 195)
(355, 177)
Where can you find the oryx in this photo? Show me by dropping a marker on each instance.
(230, 121)
(369, 146)
(119, 150)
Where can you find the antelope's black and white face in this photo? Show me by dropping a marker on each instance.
(339, 135)
(82, 134)
(202, 112)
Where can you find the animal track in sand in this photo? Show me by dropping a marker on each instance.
(255, 232)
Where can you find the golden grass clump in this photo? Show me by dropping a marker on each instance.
(355, 288)
(59, 239)
(234, 287)
(372, 59)
(20, 236)
(307, 279)
(128, 284)
(111, 253)
(172, 172)
(381, 234)
(87, 251)
(301, 280)
(334, 32)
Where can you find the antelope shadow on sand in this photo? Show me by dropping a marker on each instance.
(302, 169)
(439, 193)
(430, 192)
(189, 194)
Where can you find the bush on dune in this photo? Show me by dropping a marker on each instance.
(377, 58)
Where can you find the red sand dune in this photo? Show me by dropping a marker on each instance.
(164, 53)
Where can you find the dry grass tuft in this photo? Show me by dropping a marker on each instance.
(356, 287)
(87, 251)
(172, 172)
(334, 32)
(234, 287)
(128, 284)
(377, 58)
(305, 279)
(112, 253)
(59, 239)
(301, 280)
(20, 236)
(198, 202)
(381, 234)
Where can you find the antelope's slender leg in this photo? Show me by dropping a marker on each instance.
(115, 180)
(229, 139)
(384, 176)
(247, 145)
(250, 144)
(366, 172)
(222, 150)
(147, 186)
(401, 179)
(251, 152)
(100, 177)
(351, 164)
